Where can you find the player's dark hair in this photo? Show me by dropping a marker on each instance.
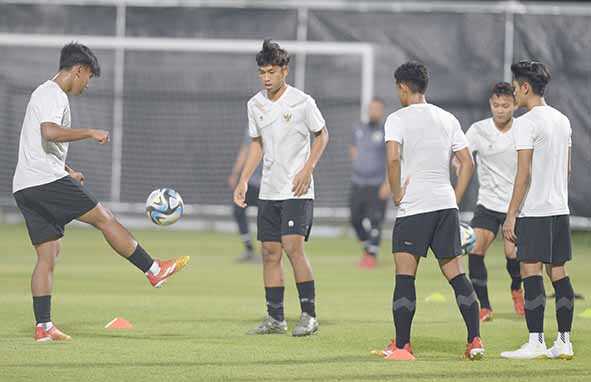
(272, 54)
(501, 89)
(533, 72)
(78, 54)
(414, 75)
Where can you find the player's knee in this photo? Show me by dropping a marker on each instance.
(104, 217)
(293, 250)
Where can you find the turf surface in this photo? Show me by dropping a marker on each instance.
(194, 328)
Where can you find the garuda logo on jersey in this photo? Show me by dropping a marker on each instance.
(287, 116)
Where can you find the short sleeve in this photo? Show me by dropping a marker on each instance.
(314, 119)
(524, 134)
(472, 138)
(50, 108)
(253, 129)
(458, 139)
(393, 130)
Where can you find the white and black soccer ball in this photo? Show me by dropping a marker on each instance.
(467, 237)
(164, 206)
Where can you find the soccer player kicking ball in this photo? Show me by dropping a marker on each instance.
(50, 194)
(538, 216)
(492, 141)
(420, 139)
(281, 119)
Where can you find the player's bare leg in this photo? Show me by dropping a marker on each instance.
(293, 245)
(274, 323)
(119, 238)
(453, 271)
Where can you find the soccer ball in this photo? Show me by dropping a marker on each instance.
(164, 206)
(467, 237)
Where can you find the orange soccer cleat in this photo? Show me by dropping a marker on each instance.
(486, 314)
(53, 334)
(474, 350)
(367, 261)
(397, 354)
(167, 269)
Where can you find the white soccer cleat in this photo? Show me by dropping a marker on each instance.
(561, 350)
(530, 350)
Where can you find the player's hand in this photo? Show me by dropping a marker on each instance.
(78, 176)
(509, 228)
(384, 192)
(240, 195)
(301, 182)
(100, 136)
(398, 200)
(232, 181)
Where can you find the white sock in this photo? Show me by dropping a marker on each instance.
(537, 338)
(155, 268)
(563, 337)
(45, 325)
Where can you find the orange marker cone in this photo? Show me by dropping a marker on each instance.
(119, 323)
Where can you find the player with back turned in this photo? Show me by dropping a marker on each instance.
(420, 141)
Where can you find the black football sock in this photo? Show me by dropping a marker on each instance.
(535, 303)
(141, 259)
(479, 279)
(513, 270)
(274, 297)
(404, 303)
(565, 304)
(468, 304)
(307, 294)
(42, 309)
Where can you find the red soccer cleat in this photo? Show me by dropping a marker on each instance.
(53, 334)
(518, 302)
(486, 314)
(367, 261)
(167, 269)
(396, 354)
(474, 350)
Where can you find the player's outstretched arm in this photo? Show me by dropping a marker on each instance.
(520, 187)
(303, 178)
(464, 172)
(55, 133)
(253, 158)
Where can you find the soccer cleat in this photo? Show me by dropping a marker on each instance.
(518, 302)
(269, 326)
(561, 350)
(306, 326)
(486, 314)
(367, 261)
(529, 350)
(396, 354)
(53, 334)
(474, 350)
(167, 269)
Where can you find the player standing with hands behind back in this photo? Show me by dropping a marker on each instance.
(281, 119)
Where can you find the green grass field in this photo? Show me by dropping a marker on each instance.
(194, 328)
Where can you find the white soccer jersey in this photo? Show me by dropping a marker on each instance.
(39, 161)
(284, 126)
(428, 136)
(547, 131)
(497, 163)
